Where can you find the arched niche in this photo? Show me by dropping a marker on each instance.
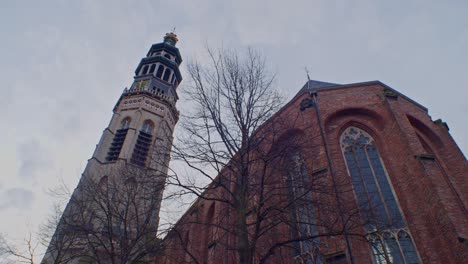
(288, 141)
(427, 132)
(357, 114)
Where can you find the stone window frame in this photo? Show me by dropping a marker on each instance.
(382, 239)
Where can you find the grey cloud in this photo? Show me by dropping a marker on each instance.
(32, 158)
(16, 198)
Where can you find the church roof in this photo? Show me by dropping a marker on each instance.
(314, 85)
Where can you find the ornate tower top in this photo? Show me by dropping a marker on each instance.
(171, 38)
(158, 73)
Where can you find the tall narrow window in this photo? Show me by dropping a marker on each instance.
(172, 79)
(160, 71)
(119, 138)
(303, 210)
(167, 73)
(153, 66)
(376, 200)
(145, 69)
(143, 143)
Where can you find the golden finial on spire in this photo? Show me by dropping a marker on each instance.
(171, 37)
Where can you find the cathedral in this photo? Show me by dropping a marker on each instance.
(368, 177)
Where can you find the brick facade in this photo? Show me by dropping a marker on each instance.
(425, 167)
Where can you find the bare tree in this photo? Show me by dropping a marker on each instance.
(14, 254)
(55, 236)
(109, 219)
(255, 170)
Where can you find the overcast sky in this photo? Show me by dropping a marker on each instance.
(64, 64)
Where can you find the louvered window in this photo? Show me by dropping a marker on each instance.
(116, 145)
(143, 143)
(119, 138)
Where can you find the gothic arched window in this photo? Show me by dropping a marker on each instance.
(147, 127)
(119, 138)
(143, 143)
(305, 223)
(125, 123)
(377, 203)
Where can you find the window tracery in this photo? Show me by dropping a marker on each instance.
(303, 211)
(387, 234)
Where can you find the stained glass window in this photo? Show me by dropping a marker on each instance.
(303, 211)
(388, 236)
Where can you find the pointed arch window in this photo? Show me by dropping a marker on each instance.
(125, 123)
(147, 127)
(377, 203)
(143, 143)
(119, 138)
(303, 209)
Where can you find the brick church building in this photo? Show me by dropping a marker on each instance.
(398, 187)
(360, 174)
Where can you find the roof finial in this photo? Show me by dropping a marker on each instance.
(171, 38)
(308, 77)
(173, 30)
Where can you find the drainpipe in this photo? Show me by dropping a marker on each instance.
(314, 96)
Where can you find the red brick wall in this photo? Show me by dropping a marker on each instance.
(432, 193)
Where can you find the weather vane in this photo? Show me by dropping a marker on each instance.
(173, 30)
(307, 72)
(308, 77)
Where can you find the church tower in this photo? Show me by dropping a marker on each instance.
(114, 211)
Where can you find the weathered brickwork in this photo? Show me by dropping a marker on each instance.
(426, 169)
